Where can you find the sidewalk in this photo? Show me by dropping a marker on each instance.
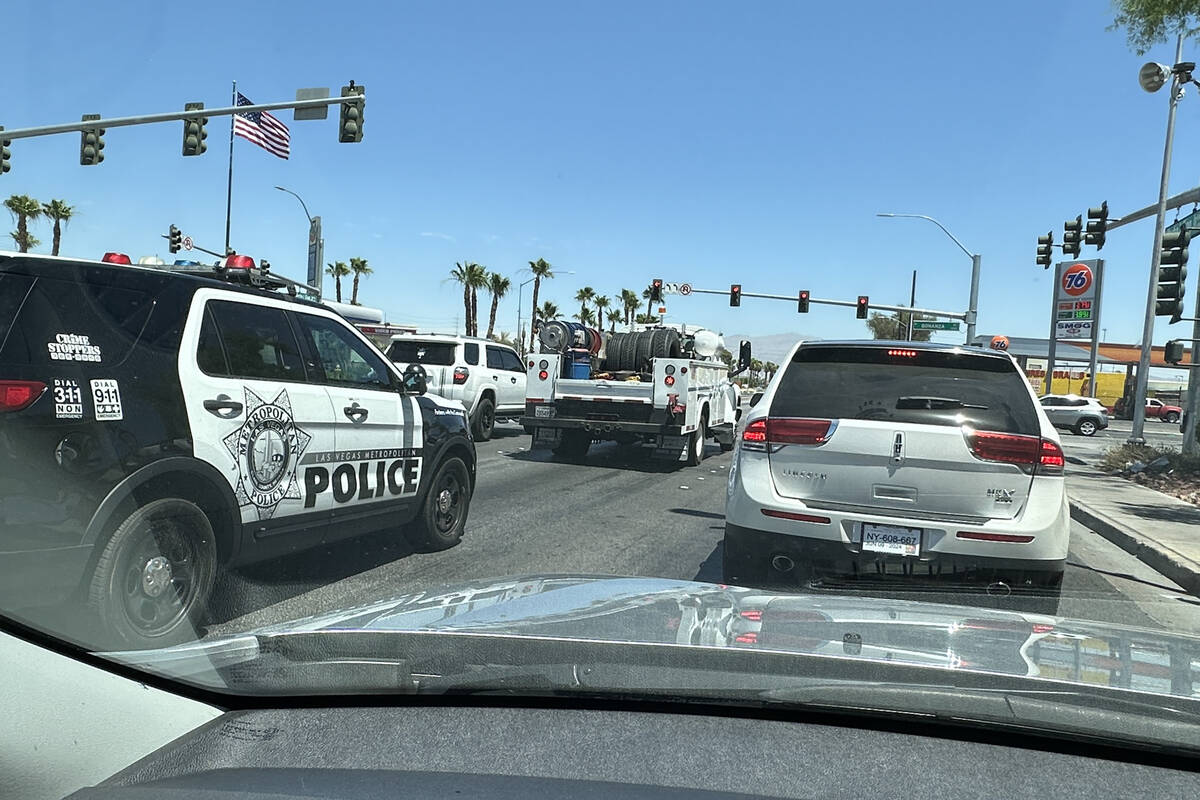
(1158, 529)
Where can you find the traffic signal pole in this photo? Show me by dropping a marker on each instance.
(791, 298)
(1137, 435)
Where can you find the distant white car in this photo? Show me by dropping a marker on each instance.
(487, 377)
(1083, 415)
(900, 460)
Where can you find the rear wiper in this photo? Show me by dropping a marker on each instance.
(935, 403)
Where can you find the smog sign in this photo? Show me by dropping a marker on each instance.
(1075, 300)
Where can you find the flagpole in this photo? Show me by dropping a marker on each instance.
(229, 185)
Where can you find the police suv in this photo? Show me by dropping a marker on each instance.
(158, 424)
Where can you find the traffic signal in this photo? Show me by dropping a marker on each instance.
(1045, 250)
(656, 287)
(91, 143)
(1073, 236)
(5, 154)
(802, 306)
(864, 303)
(351, 120)
(1173, 351)
(194, 133)
(735, 294)
(174, 239)
(1097, 225)
(1172, 273)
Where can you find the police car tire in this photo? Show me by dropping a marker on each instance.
(436, 529)
(182, 535)
(484, 421)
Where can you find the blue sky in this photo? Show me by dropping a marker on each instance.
(699, 141)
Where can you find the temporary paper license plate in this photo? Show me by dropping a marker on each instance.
(891, 539)
(543, 411)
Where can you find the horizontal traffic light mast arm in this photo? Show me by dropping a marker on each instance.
(791, 298)
(1179, 200)
(173, 116)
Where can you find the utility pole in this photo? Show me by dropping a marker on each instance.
(912, 303)
(1137, 435)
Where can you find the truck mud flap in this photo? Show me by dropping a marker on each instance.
(546, 438)
(670, 448)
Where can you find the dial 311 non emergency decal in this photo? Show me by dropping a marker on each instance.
(267, 448)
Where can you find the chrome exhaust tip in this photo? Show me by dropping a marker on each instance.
(783, 564)
(999, 589)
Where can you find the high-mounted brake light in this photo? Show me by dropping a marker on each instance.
(239, 262)
(116, 258)
(460, 375)
(900, 353)
(18, 395)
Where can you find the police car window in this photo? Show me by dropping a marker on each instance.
(471, 353)
(343, 356)
(210, 355)
(511, 362)
(258, 341)
(494, 358)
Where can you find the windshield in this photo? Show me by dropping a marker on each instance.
(472, 345)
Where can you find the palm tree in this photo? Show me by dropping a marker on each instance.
(645, 319)
(630, 303)
(585, 316)
(498, 285)
(359, 267)
(60, 212)
(649, 304)
(614, 316)
(549, 311)
(583, 297)
(23, 208)
(540, 269)
(338, 270)
(602, 303)
(477, 278)
(461, 274)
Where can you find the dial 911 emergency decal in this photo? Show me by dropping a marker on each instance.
(267, 449)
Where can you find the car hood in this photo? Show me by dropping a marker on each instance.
(647, 611)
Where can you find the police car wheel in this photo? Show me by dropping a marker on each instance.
(485, 420)
(440, 523)
(153, 578)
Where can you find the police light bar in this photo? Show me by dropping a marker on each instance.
(116, 258)
(238, 262)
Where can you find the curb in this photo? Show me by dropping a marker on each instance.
(1186, 576)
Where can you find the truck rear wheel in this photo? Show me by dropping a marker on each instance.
(695, 453)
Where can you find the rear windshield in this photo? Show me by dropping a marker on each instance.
(438, 354)
(934, 388)
(65, 321)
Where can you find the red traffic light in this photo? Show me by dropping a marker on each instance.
(864, 303)
(802, 305)
(656, 290)
(735, 294)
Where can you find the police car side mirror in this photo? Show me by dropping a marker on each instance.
(415, 379)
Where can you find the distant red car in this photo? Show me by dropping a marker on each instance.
(1162, 411)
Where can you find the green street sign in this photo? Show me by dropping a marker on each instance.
(934, 325)
(1191, 222)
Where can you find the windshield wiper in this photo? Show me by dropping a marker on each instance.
(935, 403)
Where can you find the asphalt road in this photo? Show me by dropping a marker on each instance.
(620, 513)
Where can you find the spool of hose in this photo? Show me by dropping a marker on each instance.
(554, 336)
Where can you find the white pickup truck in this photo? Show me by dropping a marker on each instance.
(672, 404)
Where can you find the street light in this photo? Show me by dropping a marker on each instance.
(976, 258)
(316, 245)
(1153, 77)
(520, 293)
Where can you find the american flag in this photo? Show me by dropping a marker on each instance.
(261, 128)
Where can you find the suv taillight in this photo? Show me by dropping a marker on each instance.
(1030, 453)
(460, 375)
(18, 395)
(789, 430)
